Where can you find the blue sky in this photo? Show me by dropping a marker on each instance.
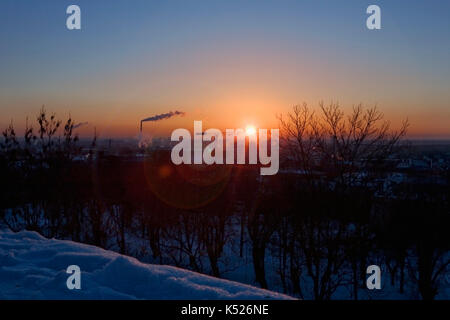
(138, 58)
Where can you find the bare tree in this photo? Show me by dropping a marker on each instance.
(361, 140)
(337, 153)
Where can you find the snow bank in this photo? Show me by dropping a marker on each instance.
(33, 267)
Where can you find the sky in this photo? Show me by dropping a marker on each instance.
(228, 63)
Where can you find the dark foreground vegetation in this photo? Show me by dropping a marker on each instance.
(341, 201)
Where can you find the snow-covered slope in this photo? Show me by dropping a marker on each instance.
(33, 267)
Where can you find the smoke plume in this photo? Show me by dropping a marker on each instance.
(80, 124)
(163, 116)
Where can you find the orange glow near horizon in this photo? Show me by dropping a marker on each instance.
(123, 122)
(228, 75)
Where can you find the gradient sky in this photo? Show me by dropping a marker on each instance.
(228, 63)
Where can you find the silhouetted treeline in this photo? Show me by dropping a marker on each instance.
(309, 231)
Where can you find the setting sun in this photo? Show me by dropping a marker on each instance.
(250, 130)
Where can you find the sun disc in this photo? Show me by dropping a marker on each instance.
(250, 130)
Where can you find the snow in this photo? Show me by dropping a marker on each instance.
(33, 267)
